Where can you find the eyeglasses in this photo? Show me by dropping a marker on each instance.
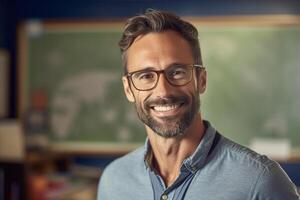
(176, 75)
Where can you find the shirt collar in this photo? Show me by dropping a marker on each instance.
(148, 154)
(194, 162)
(198, 158)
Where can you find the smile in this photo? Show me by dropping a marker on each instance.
(165, 108)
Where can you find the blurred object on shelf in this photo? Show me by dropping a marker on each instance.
(69, 187)
(62, 187)
(60, 177)
(11, 141)
(36, 121)
(38, 184)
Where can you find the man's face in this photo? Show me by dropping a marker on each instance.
(168, 110)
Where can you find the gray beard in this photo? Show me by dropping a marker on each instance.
(171, 126)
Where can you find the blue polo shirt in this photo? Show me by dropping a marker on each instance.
(218, 169)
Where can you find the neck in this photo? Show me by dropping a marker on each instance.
(169, 153)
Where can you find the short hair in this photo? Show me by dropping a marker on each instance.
(158, 21)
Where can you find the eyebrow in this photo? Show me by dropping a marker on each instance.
(155, 68)
(143, 70)
(151, 68)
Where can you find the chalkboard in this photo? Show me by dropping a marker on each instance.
(253, 81)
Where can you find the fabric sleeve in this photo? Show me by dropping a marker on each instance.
(104, 186)
(274, 184)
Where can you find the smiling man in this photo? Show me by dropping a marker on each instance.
(184, 157)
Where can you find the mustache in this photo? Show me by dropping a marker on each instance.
(183, 99)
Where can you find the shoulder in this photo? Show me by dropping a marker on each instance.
(274, 183)
(123, 172)
(125, 165)
(239, 154)
(128, 159)
(267, 178)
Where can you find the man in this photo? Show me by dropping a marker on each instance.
(184, 157)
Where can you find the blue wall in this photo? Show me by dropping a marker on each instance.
(122, 8)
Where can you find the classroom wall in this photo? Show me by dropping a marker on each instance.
(121, 8)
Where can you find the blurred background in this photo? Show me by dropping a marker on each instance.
(63, 115)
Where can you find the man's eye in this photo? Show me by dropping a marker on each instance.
(145, 76)
(178, 73)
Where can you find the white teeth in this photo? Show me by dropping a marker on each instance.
(165, 108)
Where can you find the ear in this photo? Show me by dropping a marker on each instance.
(202, 80)
(127, 89)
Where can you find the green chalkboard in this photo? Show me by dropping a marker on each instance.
(253, 82)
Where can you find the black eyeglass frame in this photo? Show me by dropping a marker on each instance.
(158, 72)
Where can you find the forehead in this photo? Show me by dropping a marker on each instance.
(158, 50)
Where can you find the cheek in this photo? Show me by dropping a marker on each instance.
(193, 95)
(139, 99)
(192, 89)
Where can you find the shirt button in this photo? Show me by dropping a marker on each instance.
(164, 197)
